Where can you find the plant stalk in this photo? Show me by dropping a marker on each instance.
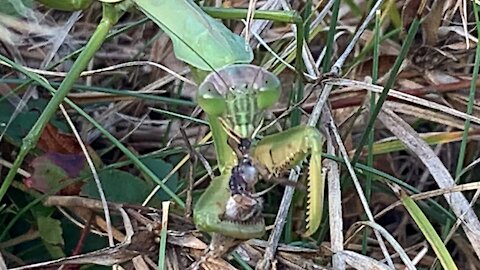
(109, 18)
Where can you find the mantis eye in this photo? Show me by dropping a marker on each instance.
(268, 91)
(211, 101)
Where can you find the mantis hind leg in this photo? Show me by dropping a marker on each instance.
(282, 151)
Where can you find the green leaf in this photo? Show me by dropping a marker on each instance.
(120, 187)
(161, 169)
(22, 123)
(198, 39)
(50, 231)
(51, 169)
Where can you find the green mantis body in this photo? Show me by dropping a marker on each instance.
(235, 99)
(238, 97)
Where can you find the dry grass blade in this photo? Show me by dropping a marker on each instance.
(457, 201)
(432, 193)
(334, 205)
(425, 113)
(343, 152)
(91, 165)
(107, 256)
(405, 97)
(359, 261)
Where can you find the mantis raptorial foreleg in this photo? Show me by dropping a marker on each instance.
(282, 151)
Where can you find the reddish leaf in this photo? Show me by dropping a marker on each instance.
(52, 169)
(54, 141)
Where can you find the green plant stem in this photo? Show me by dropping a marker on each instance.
(109, 18)
(371, 137)
(331, 36)
(391, 80)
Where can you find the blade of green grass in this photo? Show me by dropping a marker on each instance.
(471, 98)
(428, 231)
(391, 80)
(327, 59)
(371, 137)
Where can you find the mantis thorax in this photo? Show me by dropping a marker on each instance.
(239, 94)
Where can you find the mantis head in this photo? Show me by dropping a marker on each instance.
(239, 95)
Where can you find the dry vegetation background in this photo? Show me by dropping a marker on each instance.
(153, 114)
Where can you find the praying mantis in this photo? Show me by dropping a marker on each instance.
(234, 97)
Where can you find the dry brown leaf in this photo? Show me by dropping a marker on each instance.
(52, 140)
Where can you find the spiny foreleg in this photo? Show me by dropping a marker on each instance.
(282, 151)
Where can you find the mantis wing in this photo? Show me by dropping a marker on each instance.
(198, 39)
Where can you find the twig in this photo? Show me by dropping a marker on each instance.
(83, 235)
(358, 187)
(195, 153)
(193, 163)
(335, 205)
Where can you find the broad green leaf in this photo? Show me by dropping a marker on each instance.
(119, 186)
(198, 39)
(22, 123)
(161, 169)
(18, 128)
(50, 231)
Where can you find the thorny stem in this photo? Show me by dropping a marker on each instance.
(109, 18)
